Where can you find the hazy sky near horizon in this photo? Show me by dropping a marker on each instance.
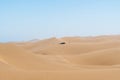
(31, 19)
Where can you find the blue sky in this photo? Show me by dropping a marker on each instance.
(30, 19)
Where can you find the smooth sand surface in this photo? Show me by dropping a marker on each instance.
(67, 58)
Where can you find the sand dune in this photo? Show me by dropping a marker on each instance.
(21, 58)
(104, 57)
(79, 58)
(73, 48)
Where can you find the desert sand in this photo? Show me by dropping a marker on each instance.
(67, 58)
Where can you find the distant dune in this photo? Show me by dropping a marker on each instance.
(67, 58)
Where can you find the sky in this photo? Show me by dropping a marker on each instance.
(22, 20)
